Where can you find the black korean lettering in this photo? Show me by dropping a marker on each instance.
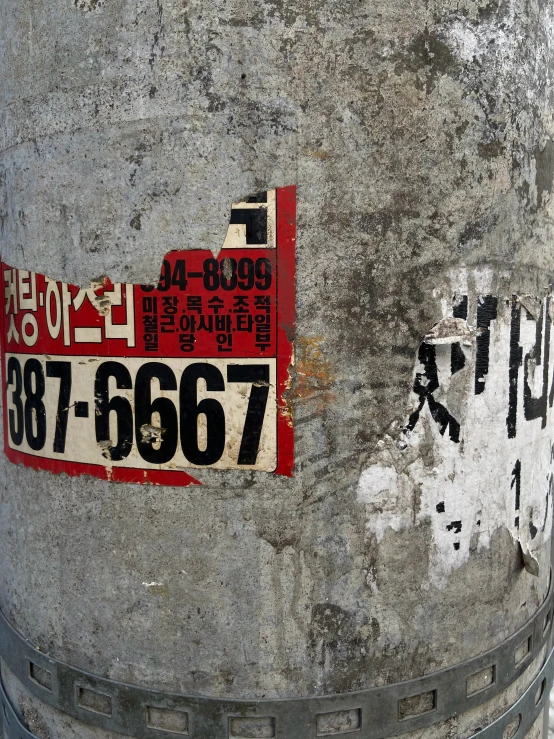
(211, 274)
(15, 417)
(457, 356)
(537, 407)
(246, 273)
(516, 354)
(191, 409)
(263, 271)
(61, 370)
(425, 384)
(216, 304)
(156, 438)
(35, 412)
(258, 375)
(118, 405)
(516, 483)
(486, 313)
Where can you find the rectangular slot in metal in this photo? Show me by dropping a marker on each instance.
(40, 676)
(339, 722)
(481, 680)
(524, 650)
(511, 730)
(167, 719)
(417, 705)
(92, 700)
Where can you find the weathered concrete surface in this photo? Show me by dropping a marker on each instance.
(420, 136)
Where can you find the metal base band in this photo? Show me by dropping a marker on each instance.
(376, 713)
(521, 716)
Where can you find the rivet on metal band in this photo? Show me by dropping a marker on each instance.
(377, 712)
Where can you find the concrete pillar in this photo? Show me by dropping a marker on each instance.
(414, 533)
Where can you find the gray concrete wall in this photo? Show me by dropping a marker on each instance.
(420, 136)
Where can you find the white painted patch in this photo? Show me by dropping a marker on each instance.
(386, 497)
(475, 42)
(490, 477)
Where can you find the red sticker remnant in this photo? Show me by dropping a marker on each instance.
(148, 383)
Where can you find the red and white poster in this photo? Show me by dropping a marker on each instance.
(152, 383)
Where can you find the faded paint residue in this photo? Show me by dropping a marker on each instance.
(152, 434)
(318, 153)
(386, 495)
(111, 294)
(88, 5)
(156, 588)
(449, 331)
(314, 373)
(286, 408)
(476, 453)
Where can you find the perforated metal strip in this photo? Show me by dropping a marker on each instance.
(522, 714)
(525, 711)
(377, 713)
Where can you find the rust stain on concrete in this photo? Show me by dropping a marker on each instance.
(314, 373)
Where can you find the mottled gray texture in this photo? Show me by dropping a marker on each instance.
(420, 127)
(420, 136)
